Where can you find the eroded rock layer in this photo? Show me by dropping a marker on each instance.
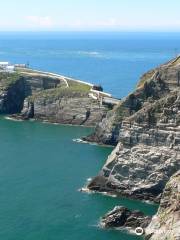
(77, 109)
(31, 94)
(165, 225)
(146, 126)
(122, 217)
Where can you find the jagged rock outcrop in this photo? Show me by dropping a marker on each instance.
(122, 217)
(146, 126)
(152, 86)
(15, 87)
(31, 94)
(12, 93)
(66, 108)
(165, 225)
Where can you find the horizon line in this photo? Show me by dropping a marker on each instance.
(89, 31)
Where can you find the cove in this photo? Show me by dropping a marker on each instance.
(41, 170)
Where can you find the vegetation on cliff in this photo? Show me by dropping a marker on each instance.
(8, 79)
(146, 127)
(49, 97)
(74, 90)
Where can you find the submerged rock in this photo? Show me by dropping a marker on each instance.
(122, 217)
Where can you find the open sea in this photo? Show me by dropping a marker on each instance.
(41, 168)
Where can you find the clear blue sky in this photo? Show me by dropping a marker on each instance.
(108, 15)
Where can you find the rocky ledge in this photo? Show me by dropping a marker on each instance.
(165, 225)
(122, 217)
(64, 105)
(28, 94)
(145, 127)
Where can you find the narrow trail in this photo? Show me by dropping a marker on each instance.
(47, 74)
(95, 94)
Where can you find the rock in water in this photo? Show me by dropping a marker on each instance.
(165, 225)
(146, 128)
(122, 217)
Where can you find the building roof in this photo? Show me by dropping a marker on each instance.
(4, 63)
(10, 67)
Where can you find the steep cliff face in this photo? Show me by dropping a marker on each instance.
(15, 87)
(36, 83)
(152, 86)
(165, 225)
(31, 94)
(146, 126)
(64, 105)
(12, 93)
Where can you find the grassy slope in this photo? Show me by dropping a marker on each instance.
(74, 90)
(8, 79)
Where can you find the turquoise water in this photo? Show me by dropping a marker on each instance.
(41, 170)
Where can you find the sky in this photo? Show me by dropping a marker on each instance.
(90, 15)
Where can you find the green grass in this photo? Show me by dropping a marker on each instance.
(8, 79)
(147, 76)
(73, 84)
(79, 86)
(76, 90)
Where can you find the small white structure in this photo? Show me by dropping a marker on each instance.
(6, 67)
(10, 68)
(4, 64)
(21, 65)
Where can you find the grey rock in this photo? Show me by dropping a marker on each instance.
(12, 96)
(165, 225)
(146, 126)
(76, 110)
(122, 217)
(45, 97)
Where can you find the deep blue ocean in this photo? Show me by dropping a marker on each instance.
(41, 168)
(115, 60)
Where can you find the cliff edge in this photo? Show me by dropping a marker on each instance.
(146, 128)
(31, 94)
(165, 225)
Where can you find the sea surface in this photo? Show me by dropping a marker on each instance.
(41, 167)
(41, 170)
(114, 60)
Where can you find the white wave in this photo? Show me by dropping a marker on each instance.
(89, 53)
(86, 190)
(13, 119)
(79, 140)
(89, 179)
(109, 194)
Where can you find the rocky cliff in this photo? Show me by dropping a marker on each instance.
(31, 94)
(15, 87)
(12, 93)
(64, 105)
(165, 225)
(146, 128)
(122, 217)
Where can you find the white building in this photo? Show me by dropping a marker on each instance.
(4, 64)
(6, 67)
(21, 65)
(10, 68)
